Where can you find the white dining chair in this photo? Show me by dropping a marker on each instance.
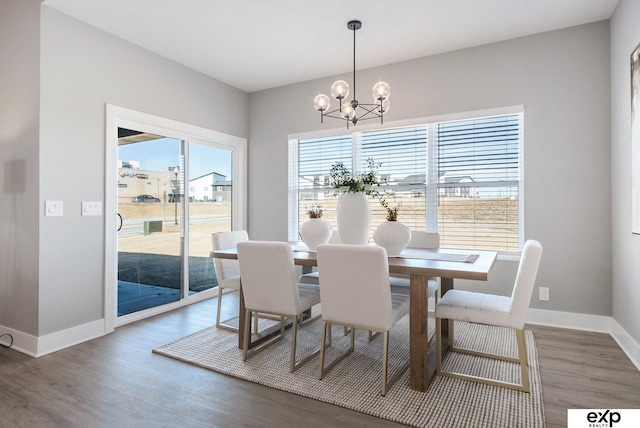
(269, 286)
(227, 270)
(489, 309)
(355, 293)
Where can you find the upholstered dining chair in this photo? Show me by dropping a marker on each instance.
(400, 283)
(227, 270)
(270, 286)
(358, 273)
(492, 310)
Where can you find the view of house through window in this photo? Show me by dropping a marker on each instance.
(172, 195)
(459, 178)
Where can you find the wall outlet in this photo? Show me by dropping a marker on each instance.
(544, 294)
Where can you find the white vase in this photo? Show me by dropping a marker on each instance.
(353, 216)
(315, 231)
(393, 236)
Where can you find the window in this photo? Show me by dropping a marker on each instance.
(460, 178)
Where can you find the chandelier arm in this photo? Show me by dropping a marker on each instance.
(332, 116)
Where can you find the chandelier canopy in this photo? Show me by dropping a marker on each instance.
(353, 111)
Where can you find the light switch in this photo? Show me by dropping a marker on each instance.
(91, 208)
(53, 208)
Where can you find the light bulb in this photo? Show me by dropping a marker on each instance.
(340, 89)
(347, 111)
(321, 102)
(381, 91)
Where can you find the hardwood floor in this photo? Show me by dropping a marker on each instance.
(583, 370)
(115, 381)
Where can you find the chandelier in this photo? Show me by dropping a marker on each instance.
(353, 111)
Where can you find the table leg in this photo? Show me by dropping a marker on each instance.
(421, 356)
(418, 336)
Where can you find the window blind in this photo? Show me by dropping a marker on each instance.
(478, 173)
(459, 178)
(315, 158)
(402, 153)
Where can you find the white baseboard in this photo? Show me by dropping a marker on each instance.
(626, 342)
(39, 346)
(22, 342)
(69, 337)
(43, 345)
(595, 323)
(570, 320)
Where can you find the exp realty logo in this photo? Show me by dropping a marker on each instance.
(603, 418)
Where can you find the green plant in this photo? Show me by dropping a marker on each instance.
(392, 213)
(343, 180)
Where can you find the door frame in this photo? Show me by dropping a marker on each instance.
(120, 117)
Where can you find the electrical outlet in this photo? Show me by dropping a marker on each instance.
(544, 294)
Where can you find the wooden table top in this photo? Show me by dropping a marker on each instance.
(417, 261)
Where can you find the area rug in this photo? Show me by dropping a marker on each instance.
(355, 382)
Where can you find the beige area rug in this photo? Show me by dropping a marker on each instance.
(355, 382)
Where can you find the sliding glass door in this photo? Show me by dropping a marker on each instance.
(209, 208)
(150, 208)
(170, 185)
(168, 189)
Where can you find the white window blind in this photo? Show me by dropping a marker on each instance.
(315, 158)
(402, 153)
(478, 183)
(459, 178)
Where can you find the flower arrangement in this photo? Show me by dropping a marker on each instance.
(392, 213)
(343, 180)
(315, 211)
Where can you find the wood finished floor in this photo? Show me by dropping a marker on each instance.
(115, 381)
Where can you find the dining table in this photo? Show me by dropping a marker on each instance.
(419, 264)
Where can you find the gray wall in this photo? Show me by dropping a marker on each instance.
(625, 36)
(562, 79)
(83, 68)
(52, 268)
(19, 115)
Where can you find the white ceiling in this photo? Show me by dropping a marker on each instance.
(260, 44)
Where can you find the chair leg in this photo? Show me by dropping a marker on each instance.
(294, 337)
(323, 370)
(221, 324)
(451, 340)
(385, 362)
(219, 306)
(322, 348)
(438, 345)
(524, 359)
(247, 334)
(255, 323)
